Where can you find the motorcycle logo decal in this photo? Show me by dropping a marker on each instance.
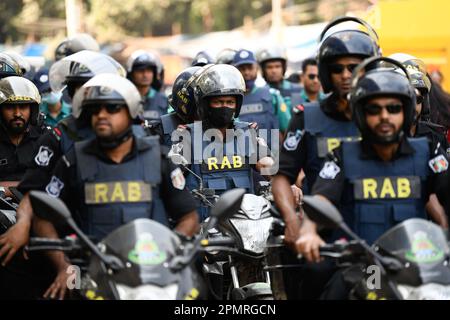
(54, 187)
(329, 170)
(438, 164)
(43, 157)
(292, 140)
(423, 250)
(146, 251)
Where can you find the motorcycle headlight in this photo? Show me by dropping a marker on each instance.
(148, 292)
(254, 233)
(430, 291)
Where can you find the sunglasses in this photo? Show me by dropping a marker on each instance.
(419, 99)
(110, 108)
(375, 109)
(337, 68)
(312, 76)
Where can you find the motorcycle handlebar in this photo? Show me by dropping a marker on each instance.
(38, 244)
(222, 241)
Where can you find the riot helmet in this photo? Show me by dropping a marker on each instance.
(71, 45)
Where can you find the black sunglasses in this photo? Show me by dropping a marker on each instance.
(375, 109)
(337, 68)
(419, 99)
(312, 76)
(110, 108)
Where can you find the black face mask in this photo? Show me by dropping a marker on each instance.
(221, 117)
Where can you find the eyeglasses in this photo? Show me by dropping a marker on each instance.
(110, 108)
(419, 99)
(312, 76)
(375, 109)
(337, 68)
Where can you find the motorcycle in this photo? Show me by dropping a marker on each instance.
(140, 260)
(408, 262)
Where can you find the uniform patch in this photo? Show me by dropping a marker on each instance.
(292, 140)
(438, 164)
(329, 171)
(407, 187)
(117, 192)
(54, 187)
(43, 157)
(178, 180)
(56, 133)
(283, 107)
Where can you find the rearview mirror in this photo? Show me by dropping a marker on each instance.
(50, 207)
(322, 212)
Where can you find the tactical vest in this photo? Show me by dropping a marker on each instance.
(378, 194)
(221, 172)
(257, 106)
(169, 123)
(115, 194)
(290, 93)
(326, 134)
(155, 105)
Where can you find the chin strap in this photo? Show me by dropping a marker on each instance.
(116, 141)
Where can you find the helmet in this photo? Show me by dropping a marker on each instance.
(243, 57)
(201, 59)
(21, 61)
(341, 43)
(142, 59)
(9, 66)
(79, 42)
(416, 69)
(108, 88)
(79, 67)
(381, 76)
(19, 90)
(226, 56)
(182, 99)
(218, 80)
(272, 54)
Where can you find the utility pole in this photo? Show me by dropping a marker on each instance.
(276, 29)
(74, 14)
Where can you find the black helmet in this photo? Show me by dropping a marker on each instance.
(218, 80)
(9, 66)
(19, 90)
(380, 77)
(201, 59)
(78, 42)
(416, 69)
(272, 54)
(78, 75)
(182, 98)
(347, 42)
(226, 56)
(141, 59)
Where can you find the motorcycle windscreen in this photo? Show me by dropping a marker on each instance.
(143, 246)
(422, 246)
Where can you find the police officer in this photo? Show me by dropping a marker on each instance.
(385, 178)
(317, 127)
(312, 90)
(19, 109)
(117, 177)
(273, 63)
(52, 145)
(226, 56)
(143, 70)
(263, 105)
(19, 113)
(53, 108)
(183, 103)
(223, 152)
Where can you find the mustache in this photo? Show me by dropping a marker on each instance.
(382, 123)
(103, 122)
(17, 119)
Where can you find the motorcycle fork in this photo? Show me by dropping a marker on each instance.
(233, 271)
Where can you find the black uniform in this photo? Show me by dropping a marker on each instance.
(176, 202)
(426, 129)
(15, 159)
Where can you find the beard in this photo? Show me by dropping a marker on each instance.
(17, 129)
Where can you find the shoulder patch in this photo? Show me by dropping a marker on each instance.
(43, 157)
(292, 140)
(438, 164)
(299, 108)
(329, 171)
(178, 180)
(54, 187)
